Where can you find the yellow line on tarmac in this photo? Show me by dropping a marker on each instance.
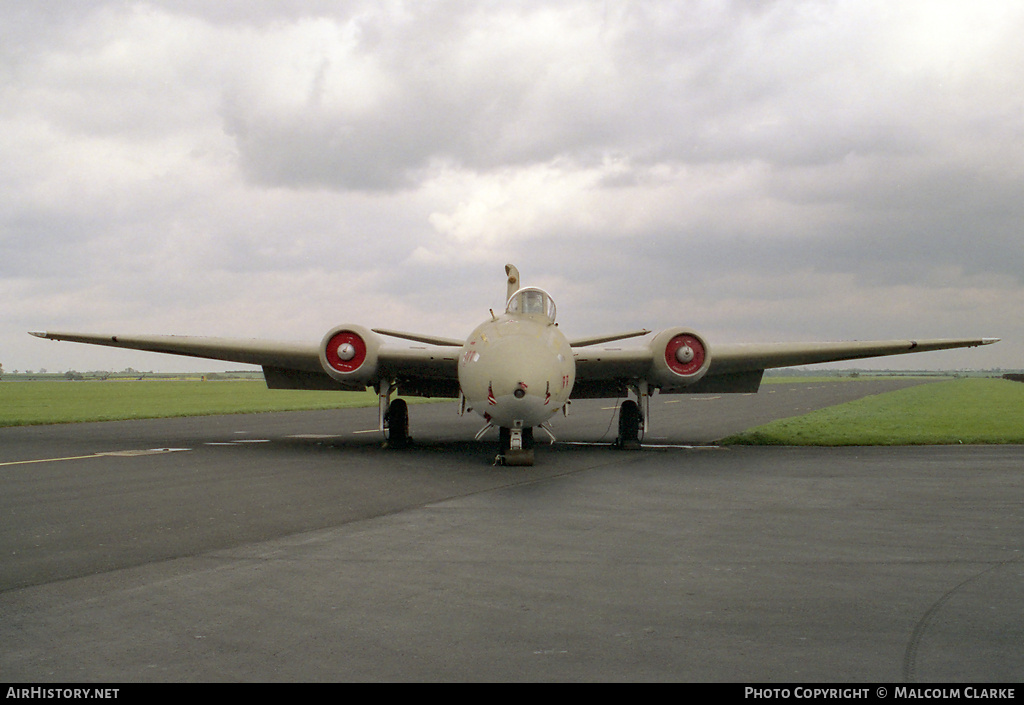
(49, 460)
(106, 454)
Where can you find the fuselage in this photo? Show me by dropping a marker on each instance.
(517, 370)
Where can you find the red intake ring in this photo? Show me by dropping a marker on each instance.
(684, 355)
(346, 351)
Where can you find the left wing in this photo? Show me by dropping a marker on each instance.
(610, 372)
(418, 371)
(751, 356)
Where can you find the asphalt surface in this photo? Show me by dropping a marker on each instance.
(292, 547)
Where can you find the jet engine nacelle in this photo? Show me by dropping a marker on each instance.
(348, 353)
(679, 357)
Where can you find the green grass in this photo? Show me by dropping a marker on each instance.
(27, 403)
(973, 411)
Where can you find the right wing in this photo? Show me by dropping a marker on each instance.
(610, 372)
(251, 352)
(419, 371)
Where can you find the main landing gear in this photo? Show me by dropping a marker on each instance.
(630, 423)
(396, 425)
(394, 419)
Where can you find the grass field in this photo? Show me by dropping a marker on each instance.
(26, 403)
(972, 411)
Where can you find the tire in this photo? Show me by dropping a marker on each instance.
(398, 424)
(629, 425)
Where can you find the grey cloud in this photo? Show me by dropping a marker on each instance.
(657, 93)
(716, 164)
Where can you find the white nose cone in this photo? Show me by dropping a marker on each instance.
(684, 354)
(346, 351)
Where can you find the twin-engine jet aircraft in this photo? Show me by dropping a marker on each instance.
(517, 370)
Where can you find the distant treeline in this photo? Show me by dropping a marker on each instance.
(101, 375)
(860, 372)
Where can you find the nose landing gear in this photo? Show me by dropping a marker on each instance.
(516, 447)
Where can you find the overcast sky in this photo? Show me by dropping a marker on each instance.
(756, 170)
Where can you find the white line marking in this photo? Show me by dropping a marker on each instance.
(238, 442)
(135, 453)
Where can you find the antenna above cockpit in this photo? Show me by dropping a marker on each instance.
(513, 280)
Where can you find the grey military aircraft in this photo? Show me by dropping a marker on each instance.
(517, 370)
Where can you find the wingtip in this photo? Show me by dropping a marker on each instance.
(37, 333)
(989, 341)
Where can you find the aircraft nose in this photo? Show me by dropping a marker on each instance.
(515, 377)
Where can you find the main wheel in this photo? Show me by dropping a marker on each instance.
(629, 426)
(397, 424)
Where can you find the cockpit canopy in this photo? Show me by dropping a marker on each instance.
(533, 301)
